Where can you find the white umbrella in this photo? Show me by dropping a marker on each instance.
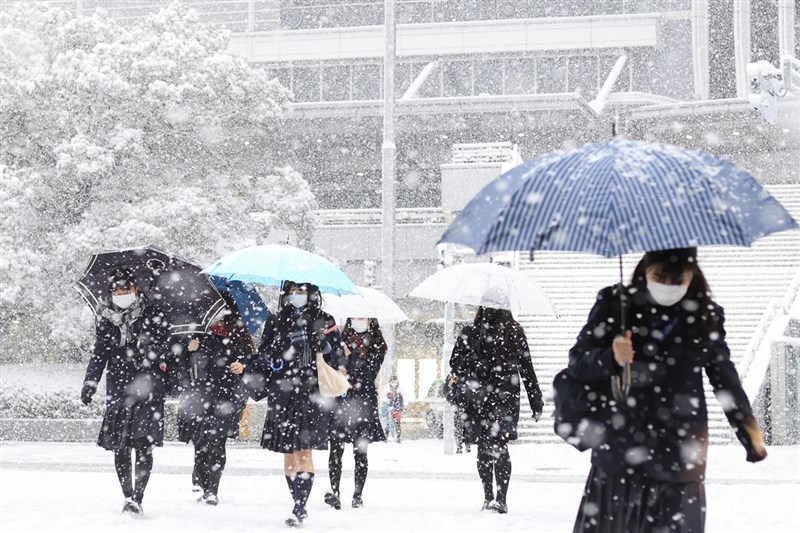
(367, 302)
(488, 285)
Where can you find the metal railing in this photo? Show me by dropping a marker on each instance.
(372, 217)
(756, 359)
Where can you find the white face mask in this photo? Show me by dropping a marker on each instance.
(359, 325)
(298, 300)
(123, 301)
(666, 294)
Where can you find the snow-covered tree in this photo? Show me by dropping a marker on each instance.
(122, 135)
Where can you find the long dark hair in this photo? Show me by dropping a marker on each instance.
(672, 264)
(235, 327)
(313, 309)
(374, 331)
(497, 323)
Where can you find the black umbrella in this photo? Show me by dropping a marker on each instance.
(178, 290)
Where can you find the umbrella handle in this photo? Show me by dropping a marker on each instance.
(621, 386)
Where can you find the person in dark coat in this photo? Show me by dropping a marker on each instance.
(297, 414)
(492, 354)
(130, 343)
(648, 474)
(213, 397)
(355, 418)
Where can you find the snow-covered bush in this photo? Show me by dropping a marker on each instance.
(124, 135)
(23, 403)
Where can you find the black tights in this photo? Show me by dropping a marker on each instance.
(144, 465)
(335, 464)
(209, 462)
(494, 462)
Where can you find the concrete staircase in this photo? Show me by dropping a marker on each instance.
(743, 280)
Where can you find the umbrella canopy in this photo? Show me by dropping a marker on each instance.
(488, 285)
(272, 264)
(178, 290)
(616, 197)
(367, 302)
(251, 306)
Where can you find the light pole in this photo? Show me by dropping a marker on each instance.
(388, 155)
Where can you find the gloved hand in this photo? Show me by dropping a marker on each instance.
(87, 392)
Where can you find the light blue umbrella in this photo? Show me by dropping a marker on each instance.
(616, 197)
(272, 264)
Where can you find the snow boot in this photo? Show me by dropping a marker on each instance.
(357, 501)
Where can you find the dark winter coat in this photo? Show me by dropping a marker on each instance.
(297, 414)
(495, 362)
(664, 433)
(212, 397)
(135, 388)
(355, 417)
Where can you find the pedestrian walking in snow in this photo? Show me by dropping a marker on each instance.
(648, 474)
(393, 407)
(212, 396)
(297, 414)
(355, 418)
(130, 344)
(492, 355)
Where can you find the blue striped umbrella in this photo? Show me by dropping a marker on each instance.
(616, 197)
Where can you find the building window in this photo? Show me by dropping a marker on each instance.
(457, 78)
(336, 83)
(489, 74)
(520, 76)
(583, 76)
(551, 75)
(305, 84)
(367, 82)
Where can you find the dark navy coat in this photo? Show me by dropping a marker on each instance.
(355, 417)
(134, 381)
(663, 433)
(297, 414)
(496, 363)
(212, 398)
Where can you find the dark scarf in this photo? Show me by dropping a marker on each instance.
(298, 335)
(124, 318)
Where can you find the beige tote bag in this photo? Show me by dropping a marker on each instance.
(332, 383)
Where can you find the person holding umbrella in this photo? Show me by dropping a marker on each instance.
(212, 395)
(130, 345)
(355, 418)
(648, 473)
(297, 414)
(491, 355)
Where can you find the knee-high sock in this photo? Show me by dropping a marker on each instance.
(485, 471)
(290, 481)
(144, 465)
(302, 486)
(502, 473)
(216, 464)
(362, 467)
(122, 464)
(335, 464)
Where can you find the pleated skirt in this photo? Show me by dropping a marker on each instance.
(638, 504)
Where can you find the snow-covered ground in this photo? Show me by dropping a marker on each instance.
(412, 486)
